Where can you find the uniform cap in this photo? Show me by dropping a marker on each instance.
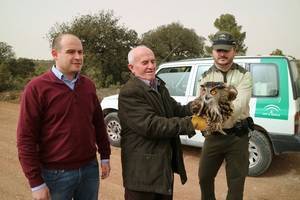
(223, 40)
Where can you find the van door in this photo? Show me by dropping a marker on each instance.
(271, 94)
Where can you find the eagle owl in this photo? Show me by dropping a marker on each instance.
(215, 104)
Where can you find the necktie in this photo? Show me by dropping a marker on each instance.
(153, 84)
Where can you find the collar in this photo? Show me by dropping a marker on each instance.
(60, 75)
(232, 67)
(152, 84)
(145, 81)
(157, 81)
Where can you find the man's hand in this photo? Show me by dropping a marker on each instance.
(41, 194)
(199, 123)
(105, 169)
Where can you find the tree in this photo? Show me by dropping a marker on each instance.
(105, 43)
(5, 77)
(227, 22)
(42, 66)
(22, 67)
(277, 52)
(6, 52)
(15, 73)
(174, 42)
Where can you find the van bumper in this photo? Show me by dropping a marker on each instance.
(285, 143)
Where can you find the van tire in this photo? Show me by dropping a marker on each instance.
(113, 128)
(260, 153)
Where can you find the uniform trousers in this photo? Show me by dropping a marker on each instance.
(234, 150)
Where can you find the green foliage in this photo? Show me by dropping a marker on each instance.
(173, 42)
(105, 42)
(22, 67)
(42, 66)
(6, 52)
(15, 73)
(227, 22)
(277, 52)
(5, 76)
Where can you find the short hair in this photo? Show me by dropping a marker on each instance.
(57, 40)
(131, 55)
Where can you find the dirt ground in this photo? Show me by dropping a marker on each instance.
(280, 182)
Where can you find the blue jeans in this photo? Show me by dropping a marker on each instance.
(79, 184)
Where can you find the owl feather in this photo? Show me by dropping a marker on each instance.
(214, 104)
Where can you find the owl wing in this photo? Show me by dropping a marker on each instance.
(197, 106)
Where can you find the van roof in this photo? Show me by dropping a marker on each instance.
(209, 59)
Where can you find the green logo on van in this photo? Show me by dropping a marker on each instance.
(271, 110)
(275, 107)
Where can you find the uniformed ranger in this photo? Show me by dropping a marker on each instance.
(233, 147)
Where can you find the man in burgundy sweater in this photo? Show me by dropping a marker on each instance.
(61, 128)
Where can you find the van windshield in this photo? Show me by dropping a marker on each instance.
(176, 79)
(295, 67)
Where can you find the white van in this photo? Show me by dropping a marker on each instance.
(274, 106)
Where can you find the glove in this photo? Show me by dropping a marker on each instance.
(199, 123)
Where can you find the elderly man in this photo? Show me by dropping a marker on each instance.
(151, 124)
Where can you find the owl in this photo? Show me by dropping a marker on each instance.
(215, 104)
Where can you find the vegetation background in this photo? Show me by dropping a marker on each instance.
(106, 44)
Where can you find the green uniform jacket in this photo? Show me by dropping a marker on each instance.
(241, 79)
(150, 146)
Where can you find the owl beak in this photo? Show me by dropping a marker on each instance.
(206, 98)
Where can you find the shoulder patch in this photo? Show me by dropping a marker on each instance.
(212, 68)
(240, 68)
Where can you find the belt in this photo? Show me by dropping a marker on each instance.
(240, 128)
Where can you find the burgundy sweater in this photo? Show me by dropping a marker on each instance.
(59, 128)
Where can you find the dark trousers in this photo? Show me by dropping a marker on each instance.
(234, 150)
(136, 195)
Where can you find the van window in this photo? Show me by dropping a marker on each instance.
(295, 67)
(200, 70)
(265, 80)
(176, 79)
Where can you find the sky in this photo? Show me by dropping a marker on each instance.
(269, 24)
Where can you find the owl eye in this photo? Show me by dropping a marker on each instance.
(213, 92)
